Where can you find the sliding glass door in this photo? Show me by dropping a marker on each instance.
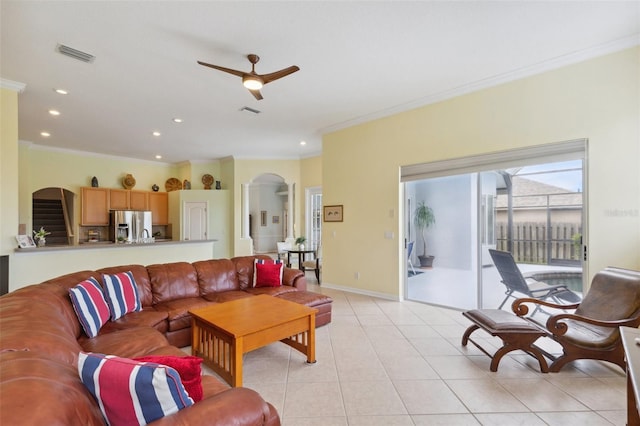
(530, 207)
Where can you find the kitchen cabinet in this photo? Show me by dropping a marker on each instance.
(139, 200)
(96, 203)
(95, 206)
(125, 199)
(159, 206)
(118, 199)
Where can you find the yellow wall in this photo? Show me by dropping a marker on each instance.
(43, 168)
(310, 176)
(8, 171)
(597, 99)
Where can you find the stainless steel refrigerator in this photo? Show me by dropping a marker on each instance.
(130, 226)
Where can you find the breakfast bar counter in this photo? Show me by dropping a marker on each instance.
(34, 265)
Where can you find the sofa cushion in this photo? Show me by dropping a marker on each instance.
(188, 367)
(215, 276)
(227, 296)
(178, 311)
(171, 281)
(146, 318)
(139, 274)
(38, 390)
(131, 392)
(122, 294)
(128, 343)
(244, 269)
(90, 306)
(271, 291)
(267, 274)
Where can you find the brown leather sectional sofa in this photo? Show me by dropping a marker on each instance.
(40, 338)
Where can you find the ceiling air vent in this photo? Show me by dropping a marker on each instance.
(247, 109)
(75, 53)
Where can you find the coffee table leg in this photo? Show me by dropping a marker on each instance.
(311, 343)
(236, 359)
(195, 341)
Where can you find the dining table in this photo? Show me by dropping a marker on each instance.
(301, 256)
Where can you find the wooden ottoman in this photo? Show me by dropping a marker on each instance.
(515, 332)
(318, 301)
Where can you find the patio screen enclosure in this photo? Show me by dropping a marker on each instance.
(528, 202)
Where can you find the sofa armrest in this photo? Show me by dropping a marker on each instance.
(237, 406)
(294, 278)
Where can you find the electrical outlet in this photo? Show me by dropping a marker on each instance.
(356, 275)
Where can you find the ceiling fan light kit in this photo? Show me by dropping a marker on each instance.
(252, 80)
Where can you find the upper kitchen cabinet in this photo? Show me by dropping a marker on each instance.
(159, 206)
(119, 199)
(139, 200)
(126, 199)
(95, 206)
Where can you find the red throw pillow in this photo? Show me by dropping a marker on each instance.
(268, 274)
(188, 367)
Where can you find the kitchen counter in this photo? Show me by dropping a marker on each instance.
(106, 244)
(34, 265)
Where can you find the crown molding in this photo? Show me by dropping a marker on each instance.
(34, 146)
(16, 86)
(539, 68)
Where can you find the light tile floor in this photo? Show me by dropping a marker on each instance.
(382, 362)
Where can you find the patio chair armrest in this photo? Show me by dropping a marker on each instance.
(549, 287)
(558, 327)
(520, 308)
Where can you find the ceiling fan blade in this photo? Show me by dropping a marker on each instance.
(267, 78)
(256, 94)
(229, 70)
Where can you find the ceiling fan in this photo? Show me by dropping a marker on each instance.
(252, 80)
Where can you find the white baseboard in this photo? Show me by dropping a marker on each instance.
(386, 296)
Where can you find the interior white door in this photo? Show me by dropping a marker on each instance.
(195, 220)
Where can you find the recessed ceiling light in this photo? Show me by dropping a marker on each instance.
(177, 120)
(45, 134)
(54, 112)
(156, 133)
(303, 143)
(158, 157)
(61, 91)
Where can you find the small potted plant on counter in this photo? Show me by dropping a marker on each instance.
(40, 237)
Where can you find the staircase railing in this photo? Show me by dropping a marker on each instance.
(67, 219)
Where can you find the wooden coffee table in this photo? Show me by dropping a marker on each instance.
(223, 332)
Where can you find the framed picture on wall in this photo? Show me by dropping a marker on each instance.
(25, 241)
(332, 213)
(276, 219)
(263, 218)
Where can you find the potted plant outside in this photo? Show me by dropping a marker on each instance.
(423, 218)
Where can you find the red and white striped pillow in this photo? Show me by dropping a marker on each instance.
(90, 305)
(130, 392)
(122, 294)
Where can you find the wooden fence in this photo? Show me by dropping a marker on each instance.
(539, 244)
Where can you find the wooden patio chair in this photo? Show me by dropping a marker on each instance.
(593, 330)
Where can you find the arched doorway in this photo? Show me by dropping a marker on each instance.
(52, 209)
(268, 212)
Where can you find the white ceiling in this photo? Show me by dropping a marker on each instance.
(358, 61)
